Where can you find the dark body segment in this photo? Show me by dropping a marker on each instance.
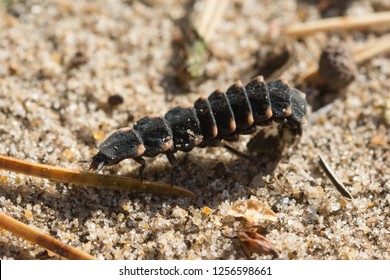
(298, 106)
(279, 93)
(259, 99)
(186, 129)
(241, 107)
(219, 117)
(206, 118)
(156, 134)
(223, 113)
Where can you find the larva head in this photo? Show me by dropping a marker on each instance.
(122, 144)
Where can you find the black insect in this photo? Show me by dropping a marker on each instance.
(219, 117)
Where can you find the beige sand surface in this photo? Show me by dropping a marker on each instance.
(55, 115)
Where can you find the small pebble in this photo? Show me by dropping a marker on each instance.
(4, 178)
(28, 213)
(115, 100)
(337, 65)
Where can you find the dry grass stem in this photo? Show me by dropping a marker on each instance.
(336, 182)
(89, 179)
(209, 17)
(372, 49)
(41, 239)
(338, 23)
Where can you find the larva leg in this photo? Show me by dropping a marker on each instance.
(175, 166)
(218, 143)
(141, 161)
(237, 152)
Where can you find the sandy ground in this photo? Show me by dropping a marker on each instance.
(56, 114)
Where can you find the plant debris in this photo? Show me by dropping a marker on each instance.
(89, 179)
(253, 242)
(253, 211)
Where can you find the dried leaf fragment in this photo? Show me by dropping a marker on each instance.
(378, 139)
(253, 242)
(253, 211)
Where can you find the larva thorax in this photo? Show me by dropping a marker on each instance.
(221, 116)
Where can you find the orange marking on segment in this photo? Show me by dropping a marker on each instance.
(260, 79)
(288, 111)
(219, 91)
(239, 84)
(268, 112)
(154, 116)
(185, 106)
(285, 82)
(250, 119)
(167, 145)
(140, 150)
(214, 131)
(232, 125)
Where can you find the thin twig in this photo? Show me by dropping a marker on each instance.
(336, 182)
(89, 179)
(41, 239)
(338, 23)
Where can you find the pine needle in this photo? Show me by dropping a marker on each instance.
(90, 179)
(22, 230)
(339, 23)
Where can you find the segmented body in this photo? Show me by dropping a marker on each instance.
(221, 116)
